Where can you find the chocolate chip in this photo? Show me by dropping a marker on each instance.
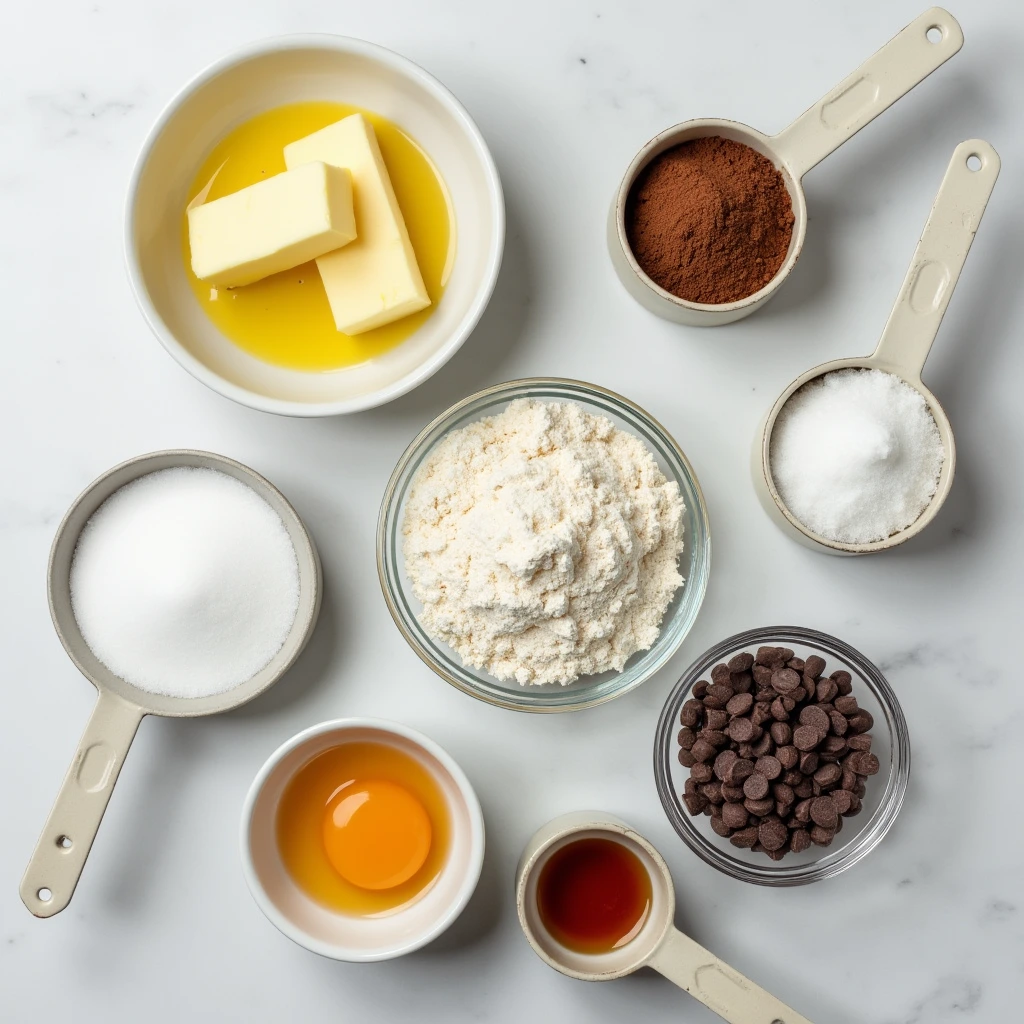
(843, 800)
(742, 730)
(863, 763)
(761, 713)
(822, 836)
(686, 738)
(793, 778)
(799, 840)
(720, 674)
(789, 704)
(735, 815)
(843, 680)
(814, 666)
(700, 688)
(779, 712)
(781, 732)
(861, 741)
(759, 807)
(846, 705)
(701, 772)
(740, 770)
(809, 763)
(813, 716)
(715, 719)
(741, 662)
(762, 675)
(788, 756)
(718, 695)
(823, 812)
(785, 680)
(741, 682)
(733, 794)
(766, 655)
(826, 691)
(755, 787)
(806, 737)
(695, 802)
(720, 826)
(741, 703)
(745, 838)
(763, 745)
(796, 664)
(834, 747)
(713, 791)
(772, 835)
(691, 713)
(783, 794)
(860, 721)
(802, 811)
(768, 766)
(702, 750)
(838, 722)
(805, 789)
(714, 737)
(828, 775)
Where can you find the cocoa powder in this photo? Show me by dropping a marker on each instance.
(710, 220)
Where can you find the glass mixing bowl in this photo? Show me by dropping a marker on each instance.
(589, 690)
(885, 791)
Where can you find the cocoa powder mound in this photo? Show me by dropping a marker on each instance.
(710, 220)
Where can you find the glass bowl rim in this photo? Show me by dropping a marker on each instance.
(869, 834)
(697, 511)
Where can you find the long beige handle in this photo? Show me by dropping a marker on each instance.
(938, 259)
(59, 856)
(907, 59)
(720, 988)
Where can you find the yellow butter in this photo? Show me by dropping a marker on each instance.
(272, 226)
(375, 279)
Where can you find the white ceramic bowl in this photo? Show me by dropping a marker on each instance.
(268, 74)
(341, 936)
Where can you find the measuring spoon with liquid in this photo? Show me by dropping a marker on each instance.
(654, 941)
(904, 62)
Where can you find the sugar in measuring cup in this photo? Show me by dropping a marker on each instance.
(653, 942)
(59, 857)
(905, 61)
(906, 339)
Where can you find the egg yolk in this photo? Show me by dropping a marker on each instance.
(376, 833)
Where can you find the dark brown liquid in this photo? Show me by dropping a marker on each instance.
(593, 895)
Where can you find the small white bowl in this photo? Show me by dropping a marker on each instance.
(342, 936)
(268, 74)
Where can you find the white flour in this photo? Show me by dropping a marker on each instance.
(543, 543)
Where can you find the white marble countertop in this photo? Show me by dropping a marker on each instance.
(930, 928)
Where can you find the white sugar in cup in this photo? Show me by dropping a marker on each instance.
(59, 857)
(906, 339)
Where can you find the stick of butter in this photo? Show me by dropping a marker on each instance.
(375, 279)
(272, 226)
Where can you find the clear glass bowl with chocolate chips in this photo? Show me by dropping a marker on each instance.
(782, 756)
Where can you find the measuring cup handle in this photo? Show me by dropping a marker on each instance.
(907, 59)
(59, 856)
(938, 259)
(720, 988)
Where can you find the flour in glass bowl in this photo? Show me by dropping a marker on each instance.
(543, 543)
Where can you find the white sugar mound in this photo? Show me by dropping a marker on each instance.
(856, 455)
(543, 543)
(185, 582)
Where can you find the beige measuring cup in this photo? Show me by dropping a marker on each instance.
(658, 944)
(56, 864)
(906, 60)
(906, 339)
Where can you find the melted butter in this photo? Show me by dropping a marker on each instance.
(286, 319)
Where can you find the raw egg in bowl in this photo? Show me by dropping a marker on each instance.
(361, 839)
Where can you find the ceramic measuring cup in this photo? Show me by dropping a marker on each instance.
(906, 339)
(658, 944)
(56, 864)
(905, 61)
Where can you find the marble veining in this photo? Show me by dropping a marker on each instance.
(928, 929)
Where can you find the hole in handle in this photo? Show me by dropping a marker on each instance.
(933, 34)
(974, 162)
(64, 842)
(44, 894)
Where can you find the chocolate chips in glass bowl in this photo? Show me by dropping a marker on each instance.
(778, 752)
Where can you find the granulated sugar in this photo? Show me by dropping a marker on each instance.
(185, 582)
(543, 543)
(856, 455)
